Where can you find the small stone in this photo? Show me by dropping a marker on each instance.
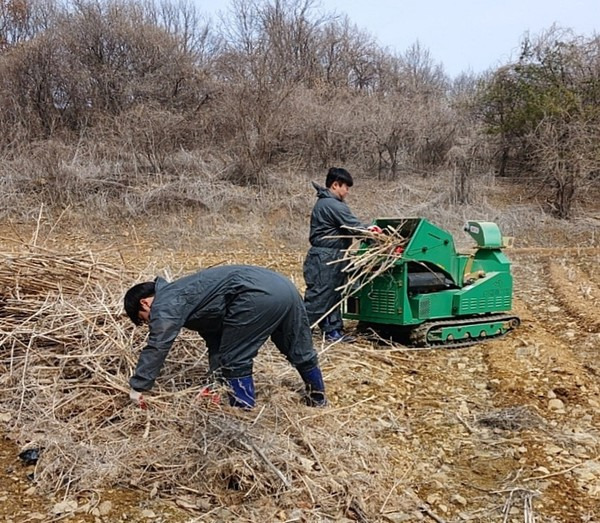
(64, 507)
(586, 476)
(223, 514)
(459, 500)
(432, 499)
(551, 395)
(104, 508)
(398, 517)
(552, 449)
(524, 352)
(556, 404)
(148, 514)
(553, 309)
(205, 505)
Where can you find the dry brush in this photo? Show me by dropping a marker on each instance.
(65, 360)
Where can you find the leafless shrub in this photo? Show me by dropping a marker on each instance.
(566, 157)
(152, 135)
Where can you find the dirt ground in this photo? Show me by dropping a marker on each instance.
(505, 431)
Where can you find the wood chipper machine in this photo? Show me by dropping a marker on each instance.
(425, 291)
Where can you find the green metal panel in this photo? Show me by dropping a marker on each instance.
(383, 300)
(434, 305)
(427, 244)
(486, 234)
(490, 294)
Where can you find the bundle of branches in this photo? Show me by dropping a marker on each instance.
(64, 367)
(370, 255)
(45, 271)
(376, 254)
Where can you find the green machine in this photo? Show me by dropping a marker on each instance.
(430, 293)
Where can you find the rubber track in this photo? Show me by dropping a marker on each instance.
(419, 335)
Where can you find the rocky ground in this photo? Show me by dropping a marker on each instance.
(507, 430)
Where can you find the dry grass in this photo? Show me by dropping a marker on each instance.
(65, 363)
(192, 201)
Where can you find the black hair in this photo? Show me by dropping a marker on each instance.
(132, 299)
(337, 174)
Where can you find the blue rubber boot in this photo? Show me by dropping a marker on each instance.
(338, 335)
(241, 392)
(315, 388)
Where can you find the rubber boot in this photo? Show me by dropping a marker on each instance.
(241, 392)
(338, 335)
(315, 388)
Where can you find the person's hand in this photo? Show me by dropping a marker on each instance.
(138, 398)
(374, 228)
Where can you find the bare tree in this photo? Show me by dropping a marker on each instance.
(182, 20)
(567, 155)
(22, 20)
(468, 158)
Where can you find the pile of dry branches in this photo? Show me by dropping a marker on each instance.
(64, 366)
(363, 265)
(370, 255)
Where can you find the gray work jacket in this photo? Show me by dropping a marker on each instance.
(329, 217)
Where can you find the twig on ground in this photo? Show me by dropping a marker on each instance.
(423, 507)
(561, 472)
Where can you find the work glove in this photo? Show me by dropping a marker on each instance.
(374, 228)
(138, 398)
(208, 394)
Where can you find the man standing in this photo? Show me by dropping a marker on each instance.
(235, 308)
(329, 220)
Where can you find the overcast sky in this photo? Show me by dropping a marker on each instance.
(461, 34)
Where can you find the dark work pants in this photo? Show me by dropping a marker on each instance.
(321, 281)
(253, 316)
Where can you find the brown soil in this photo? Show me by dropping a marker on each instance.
(473, 434)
